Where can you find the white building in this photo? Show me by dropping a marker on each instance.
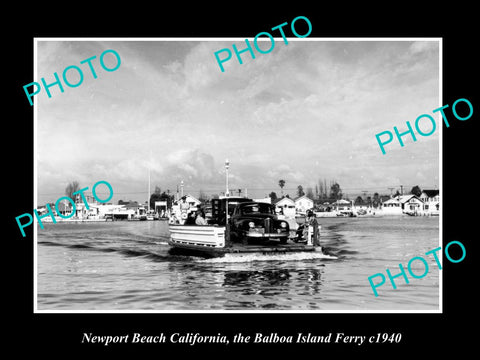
(194, 202)
(286, 206)
(116, 211)
(392, 207)
(431, 202)
(410, 204)
(302, 204)
(100, 211)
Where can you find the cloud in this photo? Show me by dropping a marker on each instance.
(287, 173)
(307, 110)
(192, 164)
(423, 46)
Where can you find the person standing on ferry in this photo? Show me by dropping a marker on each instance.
(311, 220)
(184, 205)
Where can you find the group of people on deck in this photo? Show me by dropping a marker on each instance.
(193, 217)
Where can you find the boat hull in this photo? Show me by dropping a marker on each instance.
(209, 241)
(202, 236)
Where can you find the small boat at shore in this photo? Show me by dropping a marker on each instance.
(150, 215)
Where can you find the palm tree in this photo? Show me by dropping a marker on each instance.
(281, 183)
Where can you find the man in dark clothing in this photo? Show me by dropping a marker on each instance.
(312, 221)
(190, 220)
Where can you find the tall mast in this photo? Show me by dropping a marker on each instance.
(227, 164)
(227, 193)
(149, 165)
(148, 194)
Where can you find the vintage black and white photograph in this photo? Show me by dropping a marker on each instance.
(237, 175)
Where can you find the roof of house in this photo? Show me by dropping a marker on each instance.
(392, 200)
(406, 198)
(282, 199)
(192, 198)
(431, 193)
(301, 197)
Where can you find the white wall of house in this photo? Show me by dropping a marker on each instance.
(431, 208)
(192, 200)
(413, 205)
(342, 206)
(392, 207)
(431, 205)
(410, 203)
(286, 206)
(303, 204)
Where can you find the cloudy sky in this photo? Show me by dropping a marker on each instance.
(305, 111)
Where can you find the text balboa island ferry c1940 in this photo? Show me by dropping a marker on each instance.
(238, 225)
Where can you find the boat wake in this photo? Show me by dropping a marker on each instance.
(239, 258)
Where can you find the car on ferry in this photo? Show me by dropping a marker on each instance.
(257, 222)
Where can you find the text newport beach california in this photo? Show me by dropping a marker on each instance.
(49, 212)
(429, 119)
(68, 80)
(228, 52)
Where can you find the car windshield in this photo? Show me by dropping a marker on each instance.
(256, 209)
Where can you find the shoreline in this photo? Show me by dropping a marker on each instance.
(319, 215)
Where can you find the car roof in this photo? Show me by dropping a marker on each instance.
(253, 203)
(235, 199)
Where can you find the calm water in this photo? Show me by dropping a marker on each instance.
(126, 266)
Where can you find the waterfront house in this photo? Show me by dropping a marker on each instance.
(410, 203)
(360, 204)
(431, 202)
(286, 206)
(194, 202)
(392, 207)
(302, 204)
(342, 206)
(64, 209)
(429, 196)
(117, 211)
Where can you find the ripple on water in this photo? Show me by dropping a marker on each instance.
(127, 266)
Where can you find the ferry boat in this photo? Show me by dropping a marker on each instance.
(236, 225)
(252, 227)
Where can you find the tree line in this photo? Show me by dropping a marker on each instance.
(322, 192)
